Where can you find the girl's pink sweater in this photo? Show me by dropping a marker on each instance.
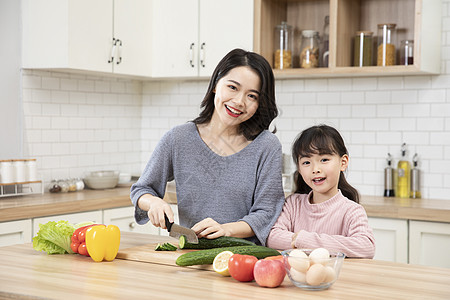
(338, 224)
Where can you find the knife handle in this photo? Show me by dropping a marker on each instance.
(168, 224)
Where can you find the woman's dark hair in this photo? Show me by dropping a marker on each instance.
(267, 108)
(321, 139)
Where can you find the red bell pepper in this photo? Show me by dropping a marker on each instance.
(78, 244)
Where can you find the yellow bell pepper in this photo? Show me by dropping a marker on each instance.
(102, 242)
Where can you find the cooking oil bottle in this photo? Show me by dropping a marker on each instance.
(389, 178)
(403, 175)
(415, 178)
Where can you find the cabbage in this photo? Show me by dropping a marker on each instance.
(54, 237)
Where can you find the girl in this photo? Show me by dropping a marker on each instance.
(324, 210)
(225, 163)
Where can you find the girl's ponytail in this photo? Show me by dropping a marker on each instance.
(346, 189)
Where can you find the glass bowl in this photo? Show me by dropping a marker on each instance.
(302, 272)
(99, 180)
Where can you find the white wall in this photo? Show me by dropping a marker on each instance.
(10, 105)
(75, 122)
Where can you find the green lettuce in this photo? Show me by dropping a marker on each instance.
(54, 237)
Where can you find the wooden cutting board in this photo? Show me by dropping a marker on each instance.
(148, 254)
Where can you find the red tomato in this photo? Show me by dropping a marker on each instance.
(83, 250)
(241, 267)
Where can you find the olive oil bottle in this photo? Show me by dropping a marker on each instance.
(403, 175)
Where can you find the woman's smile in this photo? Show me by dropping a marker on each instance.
(233, 111)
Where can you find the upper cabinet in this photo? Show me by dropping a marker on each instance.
(418, 20)
(191, 36)
(111, 36)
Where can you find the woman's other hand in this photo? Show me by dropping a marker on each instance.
(209, 229)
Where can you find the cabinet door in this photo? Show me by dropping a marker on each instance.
(92, 216)
(429, 243)
(224, 25)
(15, 232)
(132, 26)
(391, 239)
(175, 38)
(123, 217)
(67, 34)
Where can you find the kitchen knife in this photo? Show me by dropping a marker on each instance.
(176, 231)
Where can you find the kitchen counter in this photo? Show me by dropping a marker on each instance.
(28, 274)
(32, 206)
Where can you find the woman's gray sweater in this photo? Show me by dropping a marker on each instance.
(245, 186)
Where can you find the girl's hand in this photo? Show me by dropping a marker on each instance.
(294, 238)
(209, 229)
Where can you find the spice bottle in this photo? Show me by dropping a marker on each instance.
(324, 53)
(363, 49)
(415, 178)
(403, 175)
(54, 187)
(309, 53)
(389, 178)
(283, 46)
(407, 52)
(386, 44)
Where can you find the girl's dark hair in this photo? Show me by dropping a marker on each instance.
(267, 109)
(321, 139)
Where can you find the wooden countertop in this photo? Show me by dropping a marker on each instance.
(28, 274)
(32, 206)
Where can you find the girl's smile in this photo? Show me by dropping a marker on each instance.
(321, 173)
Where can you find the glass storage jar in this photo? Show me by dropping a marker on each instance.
(309, 49)
(54, 187)
(363, 49)
(386, 44)
(283, 46)
(407, 52)
(325, 46)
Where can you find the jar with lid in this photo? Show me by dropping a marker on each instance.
(283, 46)
(363, 49)
(19, 170)
(309, 49)
(324, 51)
(72, 184)
(80, 184)
(7, 174)
(54, 187)
(64, 186)
(386, 44)
(31, 170)
(407, 52)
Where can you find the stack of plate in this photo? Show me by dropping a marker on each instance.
(99, 180)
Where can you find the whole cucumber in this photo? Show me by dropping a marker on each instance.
(223, 241)
(206, 257)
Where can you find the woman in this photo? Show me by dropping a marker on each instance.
(225, 163)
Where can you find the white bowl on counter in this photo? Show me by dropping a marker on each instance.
(100, 180)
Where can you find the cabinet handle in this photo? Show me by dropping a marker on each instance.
(113, 50)
(202, 55)
(132, 225)
(119, 51)
(191, 54)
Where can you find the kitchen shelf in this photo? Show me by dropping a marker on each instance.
(416, 19)
(21, 188)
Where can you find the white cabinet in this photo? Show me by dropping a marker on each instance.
(15, 232)
(391, 239)
(191, 36)
(123, 217)
(429, 243)
(80, 35)
(93, 216)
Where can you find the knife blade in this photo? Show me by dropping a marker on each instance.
(176, 231)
